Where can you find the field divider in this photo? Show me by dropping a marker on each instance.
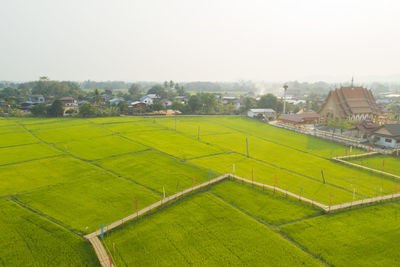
(155, 205)
(274, 188)
(357, 155)
(366, 168)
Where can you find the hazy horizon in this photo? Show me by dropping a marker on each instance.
(200, 40)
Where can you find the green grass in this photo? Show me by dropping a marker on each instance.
(363, 237)
(18, 178)
(89, 202)
(27, 239)
(382, 162)
(202, 230)
(134, 126)
(100, 147)
(157, 170)
(271, 208)
(7, 129)
(173, 143)
(15, 139)
(66, 134)
(15, 154)
(194, 125)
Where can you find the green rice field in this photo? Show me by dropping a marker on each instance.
(381, 162)
(60, 178)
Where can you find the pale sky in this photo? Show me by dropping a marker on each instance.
(185, 40)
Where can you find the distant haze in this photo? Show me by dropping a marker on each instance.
(184, 40)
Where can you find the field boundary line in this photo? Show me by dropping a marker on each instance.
(155, 205)
(324, 207)
(274, 188)
(44, 216)
(20, 145)
(366, 168)
(357, 155)
(30, 160)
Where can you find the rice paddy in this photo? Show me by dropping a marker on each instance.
(62, 178)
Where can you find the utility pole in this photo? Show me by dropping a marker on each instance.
(285, 87)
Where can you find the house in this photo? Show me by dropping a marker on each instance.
(36, 99)
(298, 119)
(182, 99)
(27, 106)
(115, 101)
(264, 113)
(351, 103)
(364, 129)
(387, 135)
(149, 99)
(137, 105)
(235, 101)
(166, 103)
(70, 105)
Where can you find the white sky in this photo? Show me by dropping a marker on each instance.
(187, 40)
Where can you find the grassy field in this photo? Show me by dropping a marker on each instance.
(27, 239)
(16, 138)
(90, 201)
(367, 236)
(271, 208)
(84, 172)
(16, 179)
(204, 230)
(100, 147)
(157, 171)
(173, 143)
(382, 162)
(16, 154)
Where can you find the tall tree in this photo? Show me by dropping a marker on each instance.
(56, 109)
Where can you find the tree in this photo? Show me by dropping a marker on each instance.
(97, 97)
(56, 109)
(180, 90)
(171, 84)
(268, 101)
(229, 109)
(123, 107)
(194, 103)
(134, 92)
(208, 102)
(39, 110)
(177, 105)
(87, 110)
(157, 106)
(248, 103)
(158, 90)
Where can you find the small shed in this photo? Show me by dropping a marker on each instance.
(265, 113)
